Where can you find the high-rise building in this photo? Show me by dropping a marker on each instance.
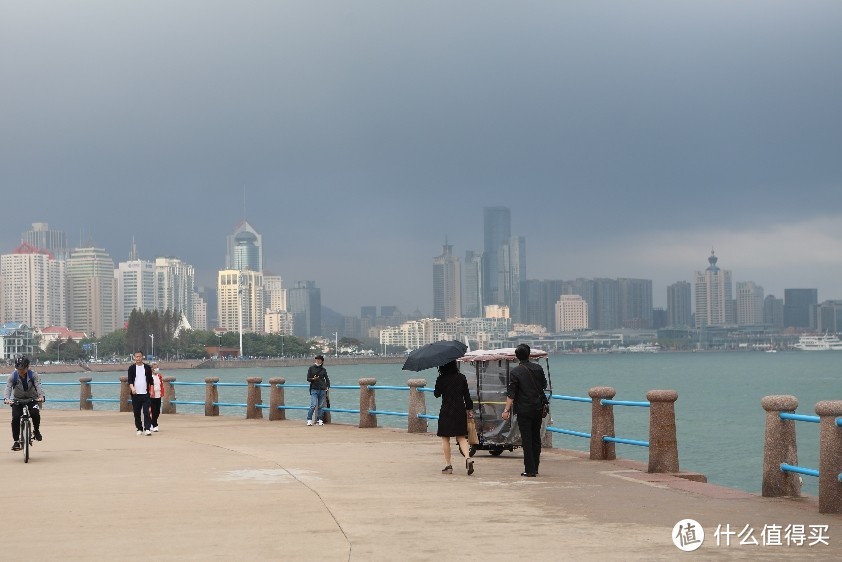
(304, 301)
(607, 304)
(800, 308)
(497, 232)
(511, 260)
(91, 292)
(368, 311)
(175, 284)
(200, 313)
(447, 285)
(571, 313)
(245, 248)
(829, 316)
(773, 312)
(635, 303)
(32, 288)
(276, 295)
(136, 288)
(42, 237)
(472, 302)
(679, 307)
(714, 303)
(553, 289)
(240, 300)
(749, 303)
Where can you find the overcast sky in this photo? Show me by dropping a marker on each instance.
(628, 138)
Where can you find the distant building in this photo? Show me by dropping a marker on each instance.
(800, 308)
(16, 338)
(276, 296)
(176, 283)
(714, 301)
(136, 287)
(240, 299)
(679, 307)
(447, 285)
(245, 248)
(749, 304)
(472, 302)
(304, 301)
(571, 313)
(512, 261)
(32, 287)
(91, 292)
(200, 313)
(635, 303)
(279, 322)
(54, 241)
(607, 304)
(829, 316)
(773, 312)
(497, 232)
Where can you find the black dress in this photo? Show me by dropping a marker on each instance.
(455, 403)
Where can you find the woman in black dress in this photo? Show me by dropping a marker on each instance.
(456, 408)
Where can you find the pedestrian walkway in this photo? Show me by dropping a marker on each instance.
(226, 488)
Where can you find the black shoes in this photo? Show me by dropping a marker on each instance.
(529, 474)
(447, 470)
(38, 435)
(469, 465)
(17, 446)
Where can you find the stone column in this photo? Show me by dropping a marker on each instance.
(254, 398)
(417, 405)
(167, 406)
(325, 414)
(779, 446)
(663, 442)
(125, 394)
(602, 423)
(85, 393)
(367, 402)
(276, 398)
(211, 396)
(830, 456)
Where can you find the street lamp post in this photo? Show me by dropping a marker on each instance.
(153, 344)
(219, 346)
(96, 351)
(336, 344)
(282, 345)
(58, 351)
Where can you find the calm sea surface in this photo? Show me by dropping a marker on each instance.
(718, 413)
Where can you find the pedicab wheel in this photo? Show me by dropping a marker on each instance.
(495, 452)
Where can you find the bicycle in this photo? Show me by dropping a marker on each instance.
(25, 435)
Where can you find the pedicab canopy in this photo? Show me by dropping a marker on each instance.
(506, 353)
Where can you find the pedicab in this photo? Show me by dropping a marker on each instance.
(487, 371)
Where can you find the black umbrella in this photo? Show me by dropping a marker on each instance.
(434, 354)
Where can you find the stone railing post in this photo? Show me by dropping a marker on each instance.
(602, 423)
(547, 439)
(276, 398)
(85, 393)
(417, 405)
(125, 394)
(663, 442)
(325, 413)
(367, 402)
(254, 398)
(211, 396)
(167, 406)
(779, 446)
(830, 456)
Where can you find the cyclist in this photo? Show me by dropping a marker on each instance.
(24, 384)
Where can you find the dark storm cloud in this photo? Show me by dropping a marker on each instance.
(364, 133)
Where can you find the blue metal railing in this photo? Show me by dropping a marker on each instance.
(791, 467)
(604, 402)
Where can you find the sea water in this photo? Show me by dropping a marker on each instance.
(719, 419)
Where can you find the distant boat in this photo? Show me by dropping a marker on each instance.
(642, 348)
(771, 350)
(825, 342)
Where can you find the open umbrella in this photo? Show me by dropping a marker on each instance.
(434, 354)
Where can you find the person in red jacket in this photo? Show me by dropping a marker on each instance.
(156, 394)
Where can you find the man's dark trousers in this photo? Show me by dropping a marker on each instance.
(141, 401)
(530, 436)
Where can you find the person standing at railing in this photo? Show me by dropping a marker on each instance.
(140, 381)
(456, 408)
(527, 383)
(24, 384)
(156, 393)
(319, 385)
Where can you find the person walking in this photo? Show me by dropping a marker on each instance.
(456, 408)
(525, 391)
(156, 393)
(140, 381)
(319, 385)
(24, 384)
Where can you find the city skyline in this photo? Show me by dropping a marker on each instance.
(627, 142)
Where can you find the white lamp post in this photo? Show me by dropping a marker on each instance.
(153, 344)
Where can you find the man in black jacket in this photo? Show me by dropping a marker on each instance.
(527, 383)
(140, 381)
(319, 384)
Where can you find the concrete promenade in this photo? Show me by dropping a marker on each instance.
(226, 488)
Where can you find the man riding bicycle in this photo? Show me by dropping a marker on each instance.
(23, 384)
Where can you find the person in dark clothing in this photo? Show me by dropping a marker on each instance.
(527, 383)
(456, 408)
(319, 385)
(140, 381)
